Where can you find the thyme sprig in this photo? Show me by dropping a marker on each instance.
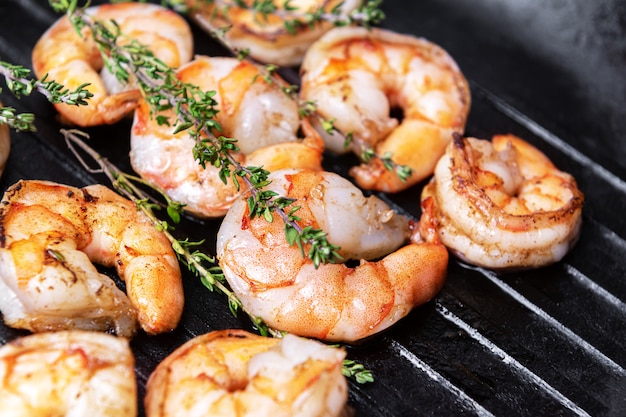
(308, 108)
(19, 81)
(367, 14)
(194, 112)
(199, 263)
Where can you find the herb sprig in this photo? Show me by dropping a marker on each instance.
(19, 81)
(194, 112)
(365, 15)
(199, 263)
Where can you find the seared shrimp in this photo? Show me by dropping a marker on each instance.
(265, 36)
(258, 114)
(238, 374)
(67, 373)
(333, 302)
(73, 60)
(503, 204)
(51, 233)
(357, 76)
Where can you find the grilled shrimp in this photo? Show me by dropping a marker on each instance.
(357, 76)
(238, 374)
(503, 204)
(73, 60)
(263, 119)
(67, 373)
(5, 145)
(266, 37)
(333, 302)
(51, 233)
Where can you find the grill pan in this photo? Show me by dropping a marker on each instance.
(540, 343)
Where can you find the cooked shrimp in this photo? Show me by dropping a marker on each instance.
(334, 301)
(357, 76)
(67, 373)
(266, 37)
(50, 235)
(503, 204)
(258, 114)
(5, 145)
(72, 61)
(235, 373)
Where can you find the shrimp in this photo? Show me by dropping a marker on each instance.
(5, 145)
(267, 37)
(334, 302)
(263, 119)
(51, 233)
(67, 373)
(235, 373)
(357, 76)
(73, 60)
(503, 204)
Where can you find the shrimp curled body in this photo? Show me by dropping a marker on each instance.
(358, 76)
(266, 37)
(239, 374)
(67, 373)
(333, 302)
(503, 204)
(72, 60)
(260, 116)
(50, 235)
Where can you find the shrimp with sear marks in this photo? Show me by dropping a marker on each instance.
(73, 59)
(356, 77)
(67, 373)
(502, 204)
(335, 302)
(51, 233)
(233, 373)
(255, 112)
(265, 36)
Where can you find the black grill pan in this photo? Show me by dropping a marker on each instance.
(550, 342)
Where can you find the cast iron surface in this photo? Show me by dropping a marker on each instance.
(539, 343)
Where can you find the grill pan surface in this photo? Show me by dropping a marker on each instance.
(541, 343)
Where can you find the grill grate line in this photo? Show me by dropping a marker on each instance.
(417, 363)
(553, 322)
(523, 371)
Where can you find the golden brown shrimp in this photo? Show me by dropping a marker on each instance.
(72, 61)
(67, 373)
(50, 235)
(357, 76)
(266, 37)
(262, 118)
(334, 301)
(503, 204)
(238, 374)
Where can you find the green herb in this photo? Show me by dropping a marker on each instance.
(18, 80)
(200, 264)
(194, 113)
